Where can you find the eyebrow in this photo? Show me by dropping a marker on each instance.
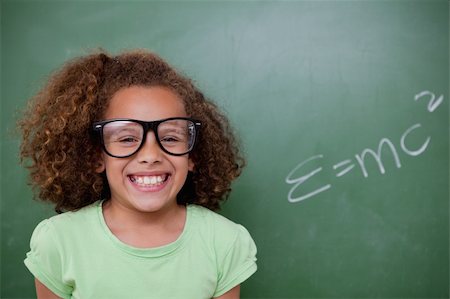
(175, 129)
(121, 129)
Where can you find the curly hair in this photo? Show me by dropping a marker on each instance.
(62, 154)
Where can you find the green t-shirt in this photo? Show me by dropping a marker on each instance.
(76, 256)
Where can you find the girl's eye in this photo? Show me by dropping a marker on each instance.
(128, 139)
(170, 139)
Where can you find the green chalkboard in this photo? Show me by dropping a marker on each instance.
(342, 110)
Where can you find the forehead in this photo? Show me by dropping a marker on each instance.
(145, 103)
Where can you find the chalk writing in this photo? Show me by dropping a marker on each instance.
(302, 179)
(340, 164)
(377, 156)
(433, 104)
(418, 151)
(345, 166)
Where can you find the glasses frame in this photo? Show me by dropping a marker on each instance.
(147, 126)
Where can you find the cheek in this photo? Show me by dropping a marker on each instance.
(182, 167)
(114, 171)
(114, 167)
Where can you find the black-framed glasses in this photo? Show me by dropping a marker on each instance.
(124, 137)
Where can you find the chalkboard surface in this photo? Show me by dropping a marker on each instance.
(342, 110)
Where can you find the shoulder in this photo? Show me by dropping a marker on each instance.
(210, 216)
(214, 222)
(67, 223)
(54, 237)
(224, 233)
(77, 217)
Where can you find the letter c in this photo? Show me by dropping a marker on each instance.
(413, 152)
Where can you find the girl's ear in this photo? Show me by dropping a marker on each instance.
(190, 165)
(100, 166)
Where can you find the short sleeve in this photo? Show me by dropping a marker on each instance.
(238, 264)
(45, 261)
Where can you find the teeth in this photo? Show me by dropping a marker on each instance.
(148, 180)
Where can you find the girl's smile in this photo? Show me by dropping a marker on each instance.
(149, 181)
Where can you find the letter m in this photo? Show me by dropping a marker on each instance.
(377, 156)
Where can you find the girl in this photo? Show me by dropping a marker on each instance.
(137, 159)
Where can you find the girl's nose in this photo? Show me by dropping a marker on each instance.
(150, 151)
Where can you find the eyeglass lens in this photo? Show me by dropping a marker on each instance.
(123, 138)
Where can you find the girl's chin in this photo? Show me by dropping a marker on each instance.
(151, 202)
(149, 206)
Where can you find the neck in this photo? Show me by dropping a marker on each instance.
(141, 229)
(132, 217)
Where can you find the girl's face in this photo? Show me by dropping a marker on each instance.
(149, 180)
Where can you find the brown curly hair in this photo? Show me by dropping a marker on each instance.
(62, 154)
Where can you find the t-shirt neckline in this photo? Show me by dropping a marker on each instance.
(146, 252)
